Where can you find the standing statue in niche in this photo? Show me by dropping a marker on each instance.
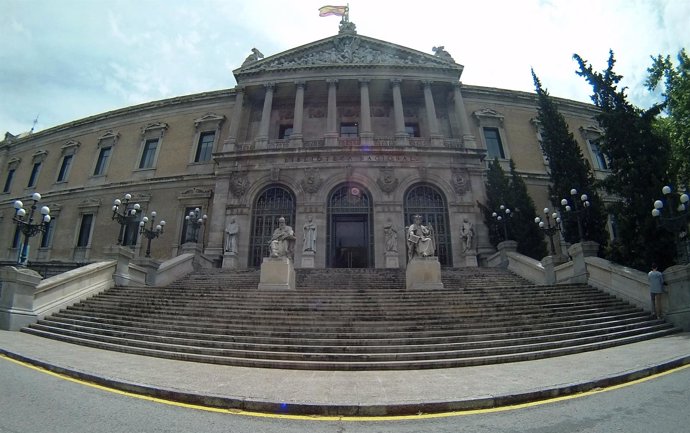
(467, 234)
(420, 240)
(231, 232)
(282, 243)
(309, 236)
(391, 235)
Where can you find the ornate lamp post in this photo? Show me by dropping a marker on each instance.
(578, 211)
(124, 216)
(548, 228)
(28, 227)
(194, 223)
(151, 233)
(675, 221)
(501, 218)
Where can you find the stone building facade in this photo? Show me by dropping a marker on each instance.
(352, 133)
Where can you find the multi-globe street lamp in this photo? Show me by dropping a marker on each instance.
(501, 218)
(578, 211)
(675, 220)
(151, 233)
(27, 226)
(124, 216)
(195, 220)
(548, 228)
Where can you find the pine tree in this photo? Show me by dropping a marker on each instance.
(568, 169)
(639, 158)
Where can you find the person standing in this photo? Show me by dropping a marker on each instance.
(656, 288)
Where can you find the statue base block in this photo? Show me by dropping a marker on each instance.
(392, 260)
(308, 259)
(277, 273)
(423, 273)
(230, 260)
(471, 259)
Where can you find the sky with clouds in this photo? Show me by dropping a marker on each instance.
(69, 59)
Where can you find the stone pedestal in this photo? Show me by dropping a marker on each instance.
(308, 259)
(123, 255)
(549, 263)
(150, 267)
(578, 252)
(17, 297)
(277, 273)
(471, 259)
(392, 260)
(504, 248)
(230, 260)
(677, 308)
(423, 273)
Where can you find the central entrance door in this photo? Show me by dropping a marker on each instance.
(349, 242)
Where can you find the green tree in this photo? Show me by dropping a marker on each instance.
(676, 94)
(568, 169)
(511, 192)
(639, 158)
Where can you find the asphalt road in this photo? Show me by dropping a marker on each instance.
(34, 401)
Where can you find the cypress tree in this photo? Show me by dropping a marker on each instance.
(568, 169)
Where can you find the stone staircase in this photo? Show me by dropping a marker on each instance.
(363, 319)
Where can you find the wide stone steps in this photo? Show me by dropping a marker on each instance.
(353, 320)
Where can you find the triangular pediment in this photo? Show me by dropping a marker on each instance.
(346, 50)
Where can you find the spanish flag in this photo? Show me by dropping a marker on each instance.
(325, 11)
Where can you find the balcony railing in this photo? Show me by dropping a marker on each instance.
(350, 142)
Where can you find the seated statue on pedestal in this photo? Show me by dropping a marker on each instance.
(420, 240)
(282, 243)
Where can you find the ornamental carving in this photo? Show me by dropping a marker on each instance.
(239, 183)
(349, 49)
(460, 181)
(311, 182)
(387, 180)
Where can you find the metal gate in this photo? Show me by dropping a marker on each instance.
(429, 202)
(274, 202)
(350, 228)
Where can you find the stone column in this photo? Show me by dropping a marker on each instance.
(231, 142)
(436, 138)
(332, 114)
(467, 138)
(365, 132)
(401, 137)
(262, 137)
(298, 120)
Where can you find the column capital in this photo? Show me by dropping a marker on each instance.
(395, 82)
(301, 83)
(426, 83)
(270, 85)
(364, 81)
(240, 88)
(332, 81)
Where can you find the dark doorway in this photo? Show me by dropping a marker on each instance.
(350, 241)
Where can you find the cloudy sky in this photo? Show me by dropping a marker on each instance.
(62, 60)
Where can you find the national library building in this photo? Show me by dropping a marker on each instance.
(347, 138)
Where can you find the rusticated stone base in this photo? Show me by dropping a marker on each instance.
(423, 273)
(277, 273)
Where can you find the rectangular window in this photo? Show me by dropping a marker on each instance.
(349, 130)
(34, 175)
(102, 161)
(8, 180)
(600, 161)
(412, 129)
(149, 153)
(64, 168)
(205, 146)
(494, 147)
(85, 230)
(48, 234)
(17, 239)
(285, 132)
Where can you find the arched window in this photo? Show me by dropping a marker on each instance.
(427, 201)
(272, 203)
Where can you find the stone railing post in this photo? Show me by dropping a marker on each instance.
(677, 302)
(549, 263)
(578, 252)
(17, 294)
(123, 255)
(504, 248)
